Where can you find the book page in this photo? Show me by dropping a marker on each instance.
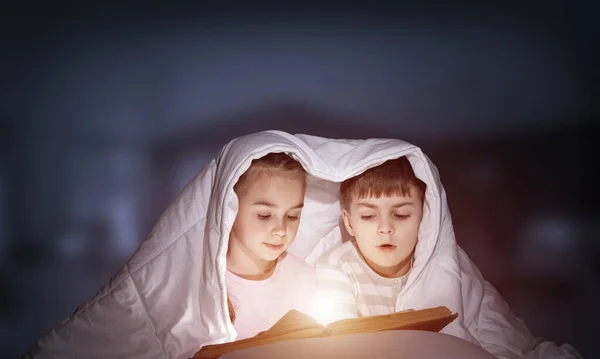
(292, 321)
(433, 319)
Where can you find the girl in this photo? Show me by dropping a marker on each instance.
(263, 281)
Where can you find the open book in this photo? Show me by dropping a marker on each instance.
(296, 325)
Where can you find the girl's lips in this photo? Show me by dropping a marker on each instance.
(274, 247)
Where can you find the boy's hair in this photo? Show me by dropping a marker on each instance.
(266, 165)
(392, 178)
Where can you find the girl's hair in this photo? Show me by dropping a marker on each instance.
(269, 164)
(231, 310)
(280, 163)
(393, 177)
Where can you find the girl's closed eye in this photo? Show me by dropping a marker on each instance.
(367, 217)
(401, 216)
(264, 216)
(293, 217)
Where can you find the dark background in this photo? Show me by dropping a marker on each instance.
(107, 111)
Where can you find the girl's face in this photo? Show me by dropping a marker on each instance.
(267, 220)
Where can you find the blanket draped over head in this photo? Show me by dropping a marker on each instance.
(169, 300)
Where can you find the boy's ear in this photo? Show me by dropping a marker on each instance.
(347, 224)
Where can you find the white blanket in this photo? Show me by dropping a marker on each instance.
(170, 298)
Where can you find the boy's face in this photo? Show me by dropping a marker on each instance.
(386, 230)
(268, 217)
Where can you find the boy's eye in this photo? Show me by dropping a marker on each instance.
(367, 217)
(401, 216)
(264, 216)
(293, 218)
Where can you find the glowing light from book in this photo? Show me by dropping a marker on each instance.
(323, 309)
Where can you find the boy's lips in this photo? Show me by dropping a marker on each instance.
(386, 247)
(274, 247)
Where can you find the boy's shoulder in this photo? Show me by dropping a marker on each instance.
(339, 255)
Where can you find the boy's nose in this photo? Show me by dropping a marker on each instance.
(385, 228)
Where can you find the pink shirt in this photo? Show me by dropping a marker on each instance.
(260, 304)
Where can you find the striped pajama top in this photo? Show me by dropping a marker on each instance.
(348, 288)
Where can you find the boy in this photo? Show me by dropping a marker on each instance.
(395, 262)
(382, 210)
